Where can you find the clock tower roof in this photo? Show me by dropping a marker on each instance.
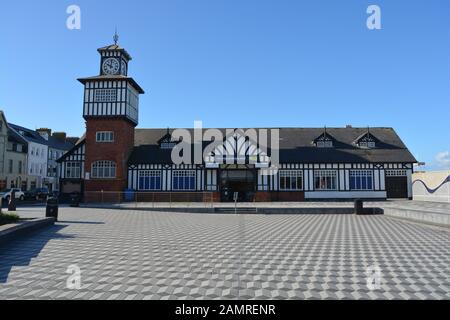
(115, 48)
(113, 77)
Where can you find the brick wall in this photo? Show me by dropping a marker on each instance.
(117, 151)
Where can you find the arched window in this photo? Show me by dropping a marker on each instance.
(103, 170)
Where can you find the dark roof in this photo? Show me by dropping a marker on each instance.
(13, 136)
(296, 146)
(113, 77)
(34, 136)
(59, 144)
(115, 47)
(80, 142)
(29, 135)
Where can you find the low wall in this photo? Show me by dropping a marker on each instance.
(432, 186)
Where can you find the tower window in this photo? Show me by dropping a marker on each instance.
(105, 95)
(103, 170)
(104, 136)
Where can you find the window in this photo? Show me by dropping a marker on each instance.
(10, 167)
(183, 180)
(396, 173)
(325, 180)
(150, 180)
(105, 95)
(73, 170)
(105, 136)
(367, 144)
(168, 145)
(104, 169)
(291, 180)
(324, 144)
(32, 151)
(361, 180)
(20, 167)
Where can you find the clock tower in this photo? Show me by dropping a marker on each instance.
(111, 111)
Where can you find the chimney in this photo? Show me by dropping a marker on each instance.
(60, 135)
(72, 140)
(44, 133)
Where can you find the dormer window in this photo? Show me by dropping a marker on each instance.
(168, 145)
(324, 144)
(166, 142)
(367, 144)
(325, 140)
(366, 141)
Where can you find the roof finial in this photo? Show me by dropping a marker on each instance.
(116, 37)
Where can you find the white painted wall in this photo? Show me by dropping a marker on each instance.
(37, 161)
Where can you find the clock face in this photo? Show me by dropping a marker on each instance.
(124, 68)
(111, 66)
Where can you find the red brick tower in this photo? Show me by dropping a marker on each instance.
(111, 107)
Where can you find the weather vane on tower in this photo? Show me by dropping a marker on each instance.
(116, 37)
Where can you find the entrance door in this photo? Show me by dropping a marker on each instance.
(397, 187)
(241, 181)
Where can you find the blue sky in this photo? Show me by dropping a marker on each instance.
(239, 63)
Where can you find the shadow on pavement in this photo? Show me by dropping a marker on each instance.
(20, 251)
(81, 222)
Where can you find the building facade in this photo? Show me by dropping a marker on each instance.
(311, 163)
(13, 155)
(57, 144)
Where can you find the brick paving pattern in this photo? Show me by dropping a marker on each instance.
(145, 255)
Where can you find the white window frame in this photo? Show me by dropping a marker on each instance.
(396, 173)
(184, 173)
(321, 174)
(104, 136)
(99, 169)
(324, 144)
(150, 173)
(292, 174)
(105, 95)
(74, 168)
(362, 174)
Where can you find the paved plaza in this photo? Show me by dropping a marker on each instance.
(130, 254)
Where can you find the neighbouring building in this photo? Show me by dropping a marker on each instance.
(57, 144)
(36, 156)
(314, 163)
(13, 154)
(3, 145)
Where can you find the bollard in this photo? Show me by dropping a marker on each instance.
(359, 207)
(74, 200)
(51, 211)
(12, 202)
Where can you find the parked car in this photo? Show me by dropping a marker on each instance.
(6, 194)
(37, 194)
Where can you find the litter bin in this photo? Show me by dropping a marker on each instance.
(359, 207)
(51, 211)
(129, 195)
(75, 199)
(12, 202)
